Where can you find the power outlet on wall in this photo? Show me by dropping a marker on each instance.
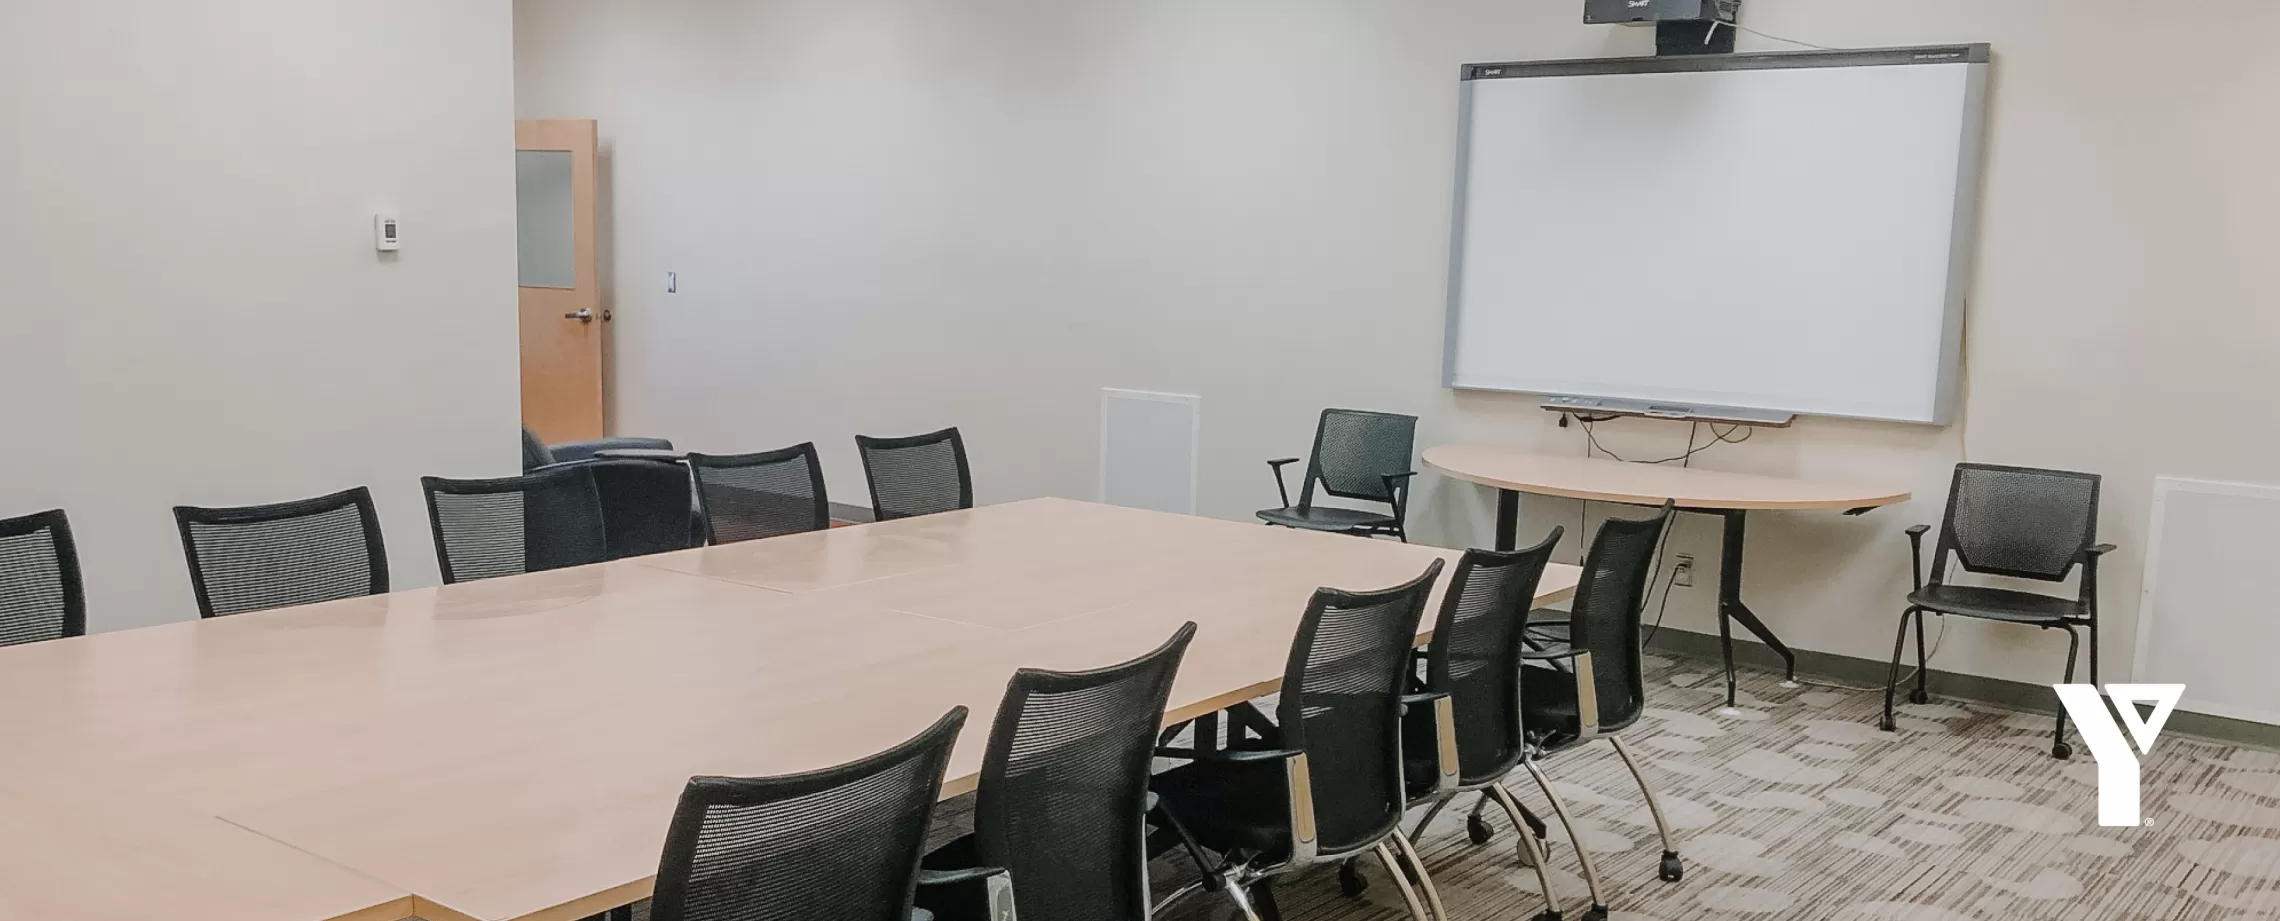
(1682, 570)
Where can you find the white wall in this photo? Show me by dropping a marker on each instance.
(890, 215)
(191, 308)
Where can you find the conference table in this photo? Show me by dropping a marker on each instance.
(1730, 496)
(512, 749)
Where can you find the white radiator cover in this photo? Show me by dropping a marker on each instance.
(2207, 619)
(1148, 444)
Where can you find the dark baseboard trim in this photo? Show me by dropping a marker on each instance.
(854, 513)
(2018, 695)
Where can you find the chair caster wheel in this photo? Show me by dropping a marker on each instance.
(1597, 913)
(1887, 725)
(1919, 696)
(1547, 916)
(1672, 869)
(2061, 751)
(1350, 881)
(1477, 830)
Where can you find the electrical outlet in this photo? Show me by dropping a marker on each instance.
(1682, 570)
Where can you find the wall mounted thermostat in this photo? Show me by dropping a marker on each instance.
(386, 237)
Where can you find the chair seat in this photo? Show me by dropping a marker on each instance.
(1325, 518)
(1997, 604)
(1228, 805)
(1548, 705)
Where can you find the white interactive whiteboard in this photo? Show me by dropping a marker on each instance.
(1786, 232)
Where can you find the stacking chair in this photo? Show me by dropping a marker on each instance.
(1357, 455)
(1064, 794)
(751, 496)
(1325, 781)
(2021, 522)
(918, 475)
(41, 596)
(1595, 684)
(512, 525)
(837, 844)
(1471, 739)
(274, 556)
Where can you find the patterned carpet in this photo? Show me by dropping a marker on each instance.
(1799, 808)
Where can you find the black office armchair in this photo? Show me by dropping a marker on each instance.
(1324, 782)
(41, 595)
(1594, 685)
(1470, 740)
(752, 496)
(917, 475)
(2021, 522)
(837, 844)
(1064, 794)
(1357, 455)
(292, 553)
(512, 525)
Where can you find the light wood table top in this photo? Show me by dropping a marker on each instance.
(1608, 480)
(512, 749)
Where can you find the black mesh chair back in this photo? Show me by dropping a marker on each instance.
(1065, 786)
(1475, 656)
(839, 844)
(647, 506)
(2022, 522)
(1354, 451)
(751, 496)
(41, 595)
(1604, 618)
(918, 475)
(512, 525)
(1341, 705)
(274, 556)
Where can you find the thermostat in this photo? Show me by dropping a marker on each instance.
(385, 236)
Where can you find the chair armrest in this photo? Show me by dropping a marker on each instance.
(1228, 756)
(1277, 466)
(2097, 551)
(1586, 687)
(1397, 487)
(1916, 555)
(997, 883)
(1445, 764)
(2090, 556)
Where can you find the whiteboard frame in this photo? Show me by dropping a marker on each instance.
(1963, 240)
(2163, 486)
(1194, 403)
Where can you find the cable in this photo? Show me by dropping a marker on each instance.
(1591, 438)
(1929, 655)
(1713, 31)
(1748, 432)
(1668, 584)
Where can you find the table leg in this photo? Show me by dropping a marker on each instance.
(1731, 607)
(1507, 520)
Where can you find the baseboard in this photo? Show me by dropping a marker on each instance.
(1869, 673)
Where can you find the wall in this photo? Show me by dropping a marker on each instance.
(191, 308)
(890, 215)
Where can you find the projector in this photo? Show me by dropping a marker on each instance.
(1597, 12)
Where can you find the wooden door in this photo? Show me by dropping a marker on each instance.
(561, 304)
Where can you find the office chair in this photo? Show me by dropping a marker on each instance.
(292, 553)
(648, 506)
(41, 595)
(837, 844)
(1594, 685)
(1470, 740)
(918, 475)
(1063, 799)
(1324, 781)
(2021, 522)
(513, 525)
(537, 454)
(1357, 455)
(752, 496)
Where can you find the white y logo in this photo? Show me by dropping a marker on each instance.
(2117, 763)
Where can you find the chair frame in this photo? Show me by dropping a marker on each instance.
(865, 444)
(430, 486)
(2086, 558)
(66, 548)
(699, 463)
(1396, 484)
(360, 498)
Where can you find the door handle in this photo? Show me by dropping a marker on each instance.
(582, 316)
